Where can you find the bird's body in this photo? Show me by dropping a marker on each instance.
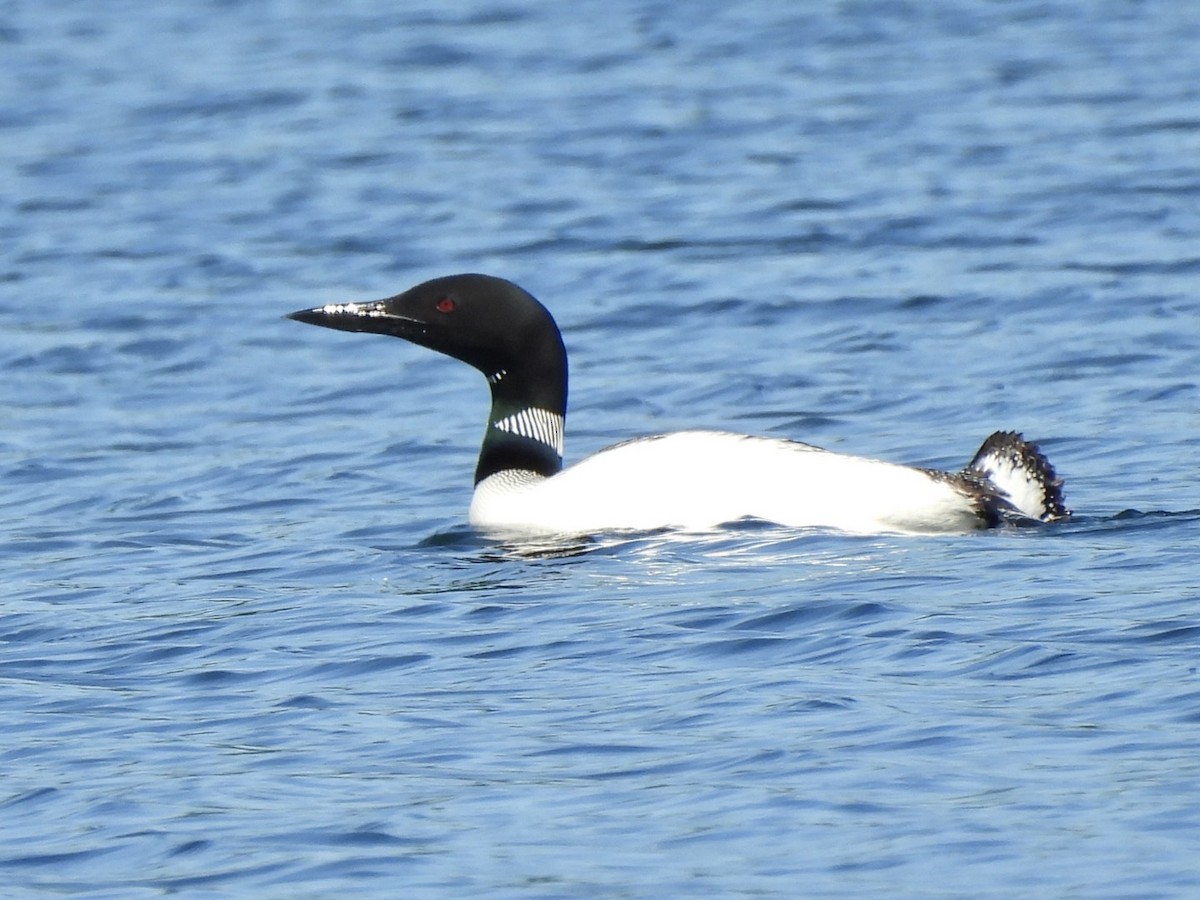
(702, 479)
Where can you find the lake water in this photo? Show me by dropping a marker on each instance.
(248, 645)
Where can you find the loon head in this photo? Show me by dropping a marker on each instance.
(498, 328)
(488, 322)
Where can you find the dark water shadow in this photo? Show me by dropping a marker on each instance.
(1130, 520)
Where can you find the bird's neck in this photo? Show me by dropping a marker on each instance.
(525, 425)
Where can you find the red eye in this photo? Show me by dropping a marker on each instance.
(445, 304)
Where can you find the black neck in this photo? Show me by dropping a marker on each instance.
(503, 452)
(525, 425)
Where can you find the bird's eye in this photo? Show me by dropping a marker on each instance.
(445, 304)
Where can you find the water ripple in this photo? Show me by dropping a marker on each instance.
(249, 645)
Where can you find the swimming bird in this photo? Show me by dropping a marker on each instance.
(683, 480)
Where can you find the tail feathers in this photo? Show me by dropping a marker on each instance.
(1024, 477)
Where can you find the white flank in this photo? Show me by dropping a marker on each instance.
(702, 479)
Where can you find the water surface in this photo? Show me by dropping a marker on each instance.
(248, 645)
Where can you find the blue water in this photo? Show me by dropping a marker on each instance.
(248, 646)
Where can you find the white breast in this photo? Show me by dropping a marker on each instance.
(702, 479)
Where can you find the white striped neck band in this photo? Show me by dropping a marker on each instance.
(538, 424)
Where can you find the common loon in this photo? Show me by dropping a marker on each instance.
(684, 480)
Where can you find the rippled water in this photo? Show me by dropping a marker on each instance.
(248, 645)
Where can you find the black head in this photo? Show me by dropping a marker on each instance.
(488, 322)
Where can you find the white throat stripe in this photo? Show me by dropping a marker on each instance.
(538, 424)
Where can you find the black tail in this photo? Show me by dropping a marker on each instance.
(1017, 469)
